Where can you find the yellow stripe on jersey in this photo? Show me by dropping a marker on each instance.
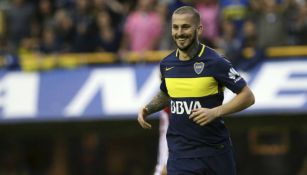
(199, 54)
(191, 87)
(202, 50)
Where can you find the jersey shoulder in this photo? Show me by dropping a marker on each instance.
(169, 59)
(211, 53)
(214, 56)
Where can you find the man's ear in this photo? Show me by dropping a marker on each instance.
(200, 30)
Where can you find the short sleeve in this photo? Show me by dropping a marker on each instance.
(228, 76)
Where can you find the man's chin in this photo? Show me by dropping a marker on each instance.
(183, 48)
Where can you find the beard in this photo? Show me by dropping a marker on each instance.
(187, 47)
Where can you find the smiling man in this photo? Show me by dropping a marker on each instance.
(192, 84)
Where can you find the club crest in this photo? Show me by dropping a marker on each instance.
(199, 67)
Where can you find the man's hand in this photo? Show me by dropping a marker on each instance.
(143, 113)
(160, 101)
(203, 116)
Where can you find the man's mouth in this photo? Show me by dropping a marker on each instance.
(181, 39)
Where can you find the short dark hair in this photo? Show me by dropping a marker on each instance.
(190, 10)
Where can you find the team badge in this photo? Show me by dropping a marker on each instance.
(199, 67)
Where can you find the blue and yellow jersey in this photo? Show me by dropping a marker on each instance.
(191, 84)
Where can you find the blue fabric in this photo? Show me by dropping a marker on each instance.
(221, 164)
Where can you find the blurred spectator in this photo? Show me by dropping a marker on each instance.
(3, 45)
(229, 43)
(2, 23)
(301, 25)
(67, 4)
(49, 43)
(291, 14)
(35, 29)
(64, 29)
(45, 12)
(7, 60)
(19, 17)
(165, 41)
(250, 53)
(83, 20)
(249, 34)
(115, 9)
(234, 10)
(209, 12)
(108, 36)
(143, 28)
(271, 25)
(27, 46)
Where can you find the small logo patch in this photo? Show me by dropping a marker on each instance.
(169, 68)
(233, 74)
(199, 67)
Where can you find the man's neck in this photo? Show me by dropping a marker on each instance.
(190, 53)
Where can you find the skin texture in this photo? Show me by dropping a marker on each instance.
(242, 100)
(185, 32)
(160, 101)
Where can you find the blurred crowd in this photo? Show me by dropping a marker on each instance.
(241, 28)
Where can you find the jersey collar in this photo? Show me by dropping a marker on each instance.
(201, 49)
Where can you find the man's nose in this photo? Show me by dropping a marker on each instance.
(180, 31)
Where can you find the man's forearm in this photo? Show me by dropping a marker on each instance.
(160, 101)
(242, 101)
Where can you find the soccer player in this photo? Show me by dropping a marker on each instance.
(193, 81)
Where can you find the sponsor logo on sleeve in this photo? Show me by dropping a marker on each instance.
(233, 74)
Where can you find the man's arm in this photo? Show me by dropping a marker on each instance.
(242, 100)
(159, 102)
